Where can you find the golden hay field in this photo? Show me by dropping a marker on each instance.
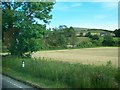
(97, 56)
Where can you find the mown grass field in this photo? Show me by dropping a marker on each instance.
(96, 56)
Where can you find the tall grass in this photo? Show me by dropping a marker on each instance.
(68, 75)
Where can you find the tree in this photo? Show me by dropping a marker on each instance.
(24, 17)
(117, 32)
(81, 34)
(61, 40)
(62, 27)
(56, 39)
(108, 40)
(61, 37)
(73, 37)
(70, 35)
(95, 37)
(88, 34)
(95, 40)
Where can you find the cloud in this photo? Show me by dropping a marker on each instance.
(76, 4)
(61, 7)
(66, 6)
(100, 16)
(103, 0)
(110, 5)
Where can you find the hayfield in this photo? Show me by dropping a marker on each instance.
(97, 56)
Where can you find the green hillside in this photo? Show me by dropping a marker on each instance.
(85, 30)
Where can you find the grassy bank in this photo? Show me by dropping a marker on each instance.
(46, 73)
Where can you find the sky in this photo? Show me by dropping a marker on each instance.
(99, 15)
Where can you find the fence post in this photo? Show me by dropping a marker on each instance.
(23, 63)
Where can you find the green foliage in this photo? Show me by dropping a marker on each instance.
(117, 41)
(95, 37)
(61, 37)
(22, 15)
(108, 40)
(9, 12)
(56, 39)
(70, 75)
(96, 42)
(117, 32)
(88, 35)
(117, 76)
(81, 34)
(72, 36)
(85, 44)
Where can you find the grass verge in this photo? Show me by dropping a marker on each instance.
(55, 74)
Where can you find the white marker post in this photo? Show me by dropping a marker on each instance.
(23, 63)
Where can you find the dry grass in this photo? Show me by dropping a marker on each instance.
(97, 56)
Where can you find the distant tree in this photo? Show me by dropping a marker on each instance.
(95, 37)
(88, 34)
(49, 39)
(56, 39)
(117, 41)
(117, 32)
(61, 37)
(62, 27)
(108, 40)
(73, 36)
(96, 42)
(61, 40)
(81, 34)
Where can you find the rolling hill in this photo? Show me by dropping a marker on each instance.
(92, 30)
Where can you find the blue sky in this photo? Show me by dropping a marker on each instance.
(102, 15)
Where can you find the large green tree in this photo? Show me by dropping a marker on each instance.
(61, 37)
(24, 17)
(56, 39)
(73, 38)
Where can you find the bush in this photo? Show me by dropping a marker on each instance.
(117, 77)
(96, 42)
(95, 37)
(85, 44)
(117, 32)
(108, 40)
(117, 42)
(88, 35)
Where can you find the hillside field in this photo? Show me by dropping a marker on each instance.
(97, 56)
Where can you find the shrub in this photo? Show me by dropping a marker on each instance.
(96, 42)
(95, 37)
(108, 40)
(85, 44)
(88, 35)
